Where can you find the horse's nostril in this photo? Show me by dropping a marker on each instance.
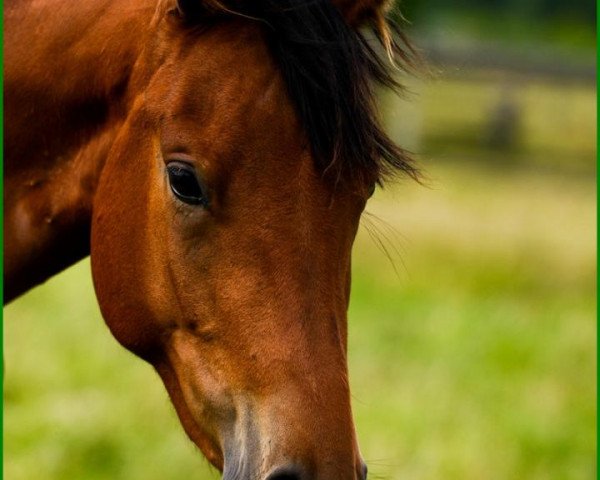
(286, 473)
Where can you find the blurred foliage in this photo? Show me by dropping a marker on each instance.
(583, 11)
(569, 23)
(554, 124)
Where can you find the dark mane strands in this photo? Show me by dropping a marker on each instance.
(329, 69)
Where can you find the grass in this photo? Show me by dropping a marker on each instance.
(478, 362)
(473, 358)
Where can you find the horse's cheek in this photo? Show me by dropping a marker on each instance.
(118, 254)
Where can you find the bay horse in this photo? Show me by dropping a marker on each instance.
(214, 158)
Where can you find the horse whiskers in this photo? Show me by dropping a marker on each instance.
(380, 239)
(374, 236)
(373, 464)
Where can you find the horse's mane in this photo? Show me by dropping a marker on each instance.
(330, 69)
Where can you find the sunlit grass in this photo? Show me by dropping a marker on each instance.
(477, 360)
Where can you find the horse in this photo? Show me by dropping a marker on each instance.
(213, 157)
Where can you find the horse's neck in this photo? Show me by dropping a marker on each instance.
(67, 69)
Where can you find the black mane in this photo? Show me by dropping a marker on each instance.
(330, 69)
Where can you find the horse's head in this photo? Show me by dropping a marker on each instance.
(224, 221)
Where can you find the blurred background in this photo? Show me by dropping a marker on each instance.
(473, 314)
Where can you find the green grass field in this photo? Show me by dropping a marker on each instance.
(472, 355)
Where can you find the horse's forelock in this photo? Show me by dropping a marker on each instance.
(329, 67)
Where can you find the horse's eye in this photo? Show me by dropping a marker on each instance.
(185, 184)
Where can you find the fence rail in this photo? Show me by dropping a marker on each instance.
(558, 66)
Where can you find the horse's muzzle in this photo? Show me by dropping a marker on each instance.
(294, 472)
(298, 471)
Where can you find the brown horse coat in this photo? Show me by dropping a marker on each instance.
(214, 158)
